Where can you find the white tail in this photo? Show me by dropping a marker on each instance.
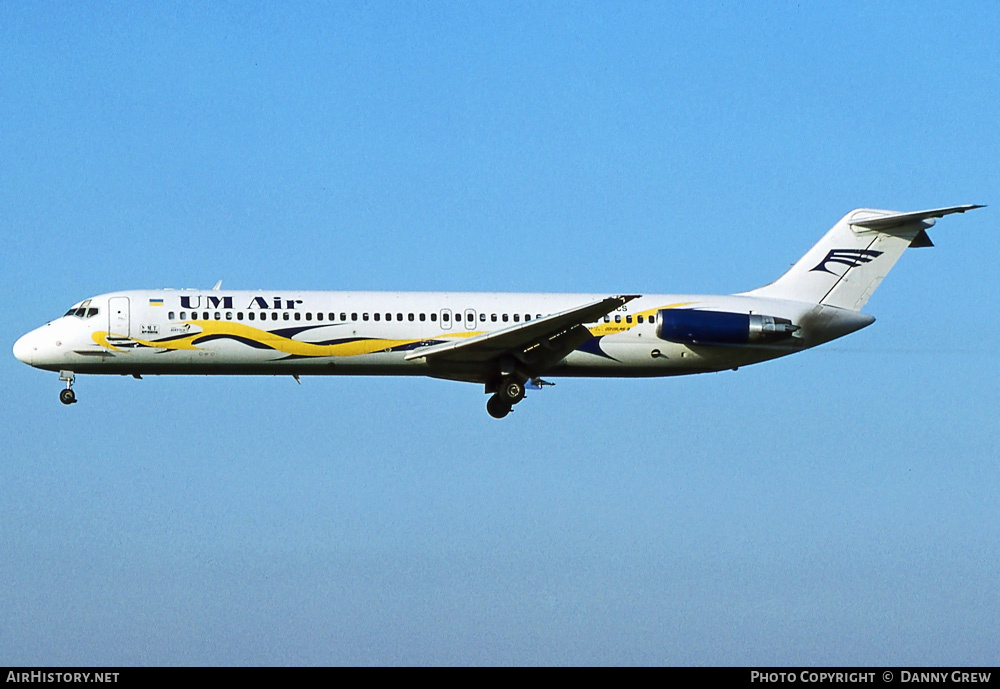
(851, 260)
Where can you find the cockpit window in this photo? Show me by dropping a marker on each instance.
(84, 310)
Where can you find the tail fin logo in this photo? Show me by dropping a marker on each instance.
(851, 258)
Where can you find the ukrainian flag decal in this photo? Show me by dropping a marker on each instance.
(156, 302)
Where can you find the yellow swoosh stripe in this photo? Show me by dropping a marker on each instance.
(611, 328)
(277, 342)
(101, 338)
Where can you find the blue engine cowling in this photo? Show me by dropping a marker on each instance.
(690, 326)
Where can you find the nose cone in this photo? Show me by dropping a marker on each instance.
(24, 350)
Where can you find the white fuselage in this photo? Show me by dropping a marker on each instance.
(370, 333)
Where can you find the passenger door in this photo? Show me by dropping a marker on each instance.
(118, 317)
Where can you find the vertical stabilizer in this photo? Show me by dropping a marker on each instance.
(852, 259)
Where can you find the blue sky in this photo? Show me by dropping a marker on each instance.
(835, 507)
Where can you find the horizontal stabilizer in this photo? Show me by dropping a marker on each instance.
(886, 222)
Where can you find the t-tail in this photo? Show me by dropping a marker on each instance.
(853, 258)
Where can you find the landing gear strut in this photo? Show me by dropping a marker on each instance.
(67, 396)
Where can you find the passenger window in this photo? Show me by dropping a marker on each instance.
(309, 316)
(628, 319)
(183, 315)
(354, 317)
(409, 317)
(423, 317)
(504, 318)
(517, 318)
(493, 317)
(618, 319)
(170, 316)
(377, 316)
(434, 318)
(482, 318)
(639, 318)
(284, 316)
(229, 315)
(364, 316)
(319, 316)
(607, 319)
(399, 317)
(388, 316)
(445, 317)
(204, 315)
(239, 315)
(298, 316)
(251, 315)
(274, 315)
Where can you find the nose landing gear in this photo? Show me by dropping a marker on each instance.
(67, 396)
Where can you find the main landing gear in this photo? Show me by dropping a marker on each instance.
(67, 396)
(497, 408)
(509, 392)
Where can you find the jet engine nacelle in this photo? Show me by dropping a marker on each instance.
(690, 326)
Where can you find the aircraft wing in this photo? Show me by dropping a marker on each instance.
(556, 335)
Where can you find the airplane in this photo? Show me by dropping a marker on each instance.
(504, 341)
